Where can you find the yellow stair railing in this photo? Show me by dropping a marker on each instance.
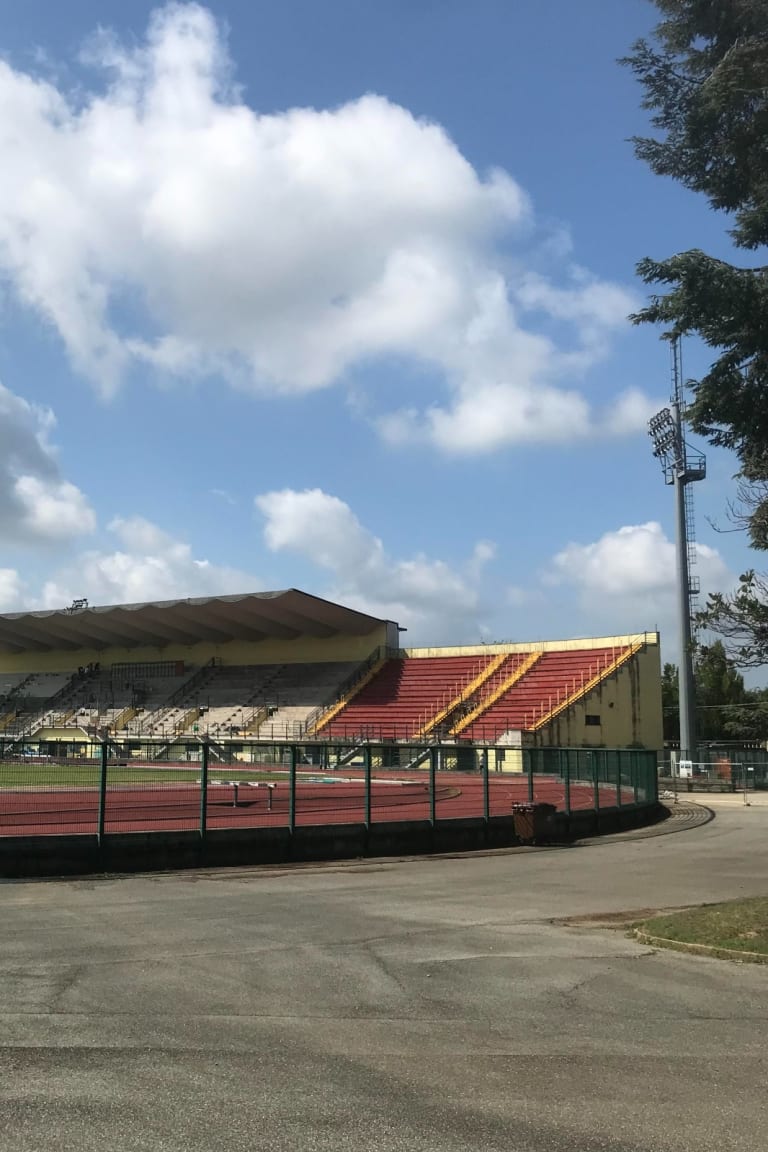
(503, 686)
(120, 720)
(587, 686)
(256, 721)
(188, 718)
(465, 693)
(334, 709)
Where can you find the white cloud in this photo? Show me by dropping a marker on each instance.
(428, 596)
(595, 304)
(148, 565)
(631, 413)
(634, 560)
(10, 590)
(54, 510)
(36, 504)
(626, 580)
(283, 250)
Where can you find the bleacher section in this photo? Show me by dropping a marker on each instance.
(553, 679)
(450, 697)
(33, 696)
(473, 695)
(240, 699)
(217, 700)
(298, 692)
(401, 699)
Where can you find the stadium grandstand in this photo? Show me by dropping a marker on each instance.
(288, 666)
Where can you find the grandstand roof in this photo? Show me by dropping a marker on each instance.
(254, 616)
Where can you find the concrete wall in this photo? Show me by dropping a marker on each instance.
(150, 851)
(628, 705)
(573, 645)
(506, 760)
(61, 735)
(308, 649)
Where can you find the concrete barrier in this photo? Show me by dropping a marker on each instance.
(37, 856)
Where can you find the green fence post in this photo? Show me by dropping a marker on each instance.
(292, 792)
(203, 787)
(635, 765)
(529, 754)
(486, 755)
(367, 764)
(565, 772)
(595, 779)
(618, 760)
(103, 753)
(433, 753)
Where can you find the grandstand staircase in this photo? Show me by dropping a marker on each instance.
(370, 669)
(350, 755)
(463, 697)
(581, 688)
(177, 698)
(260, 712)
(417, 760)
(257, 719)
(184, 722)
(506, 674)
(52, 720)
(406, 697)
(61, 699)
(124, 717)
(12, 700)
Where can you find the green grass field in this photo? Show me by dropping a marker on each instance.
(739, 925)
(14, 774)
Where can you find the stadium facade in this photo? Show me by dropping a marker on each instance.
(288, 666)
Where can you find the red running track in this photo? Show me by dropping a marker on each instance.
(175, 807)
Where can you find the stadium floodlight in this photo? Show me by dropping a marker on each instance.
(681, 467)
(663, 433)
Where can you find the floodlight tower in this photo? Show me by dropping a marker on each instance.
(682, 466)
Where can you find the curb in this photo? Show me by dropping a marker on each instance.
(683, 818)
(700, 949)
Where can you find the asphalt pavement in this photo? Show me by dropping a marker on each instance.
(435, 1005)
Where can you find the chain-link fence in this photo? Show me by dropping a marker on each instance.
(102, 788)
(726, 768)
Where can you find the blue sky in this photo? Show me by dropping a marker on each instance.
(334, 296)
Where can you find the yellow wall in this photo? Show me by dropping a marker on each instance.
(68, 735)
(511, 761)
(306, 649)
(628, 704)
(650, 638)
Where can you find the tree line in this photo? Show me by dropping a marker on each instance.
(704, 76)
(726, 710)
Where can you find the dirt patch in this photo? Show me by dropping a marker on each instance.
(618, 920)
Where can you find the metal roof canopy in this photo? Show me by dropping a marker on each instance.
(285, 615)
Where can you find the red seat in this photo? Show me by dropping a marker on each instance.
(403, 696)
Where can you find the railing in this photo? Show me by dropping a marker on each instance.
(124, 717)
(63, 692)
(348, 688)
(105, 787)
(188, 718)
(460, 694)
(581, 686)
(157, 718)
(501, 684)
